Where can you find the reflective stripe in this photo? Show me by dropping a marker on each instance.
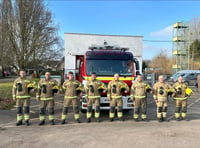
(19, 117)
(136, 116)
(131, 95)
(139, 97)
(14, 95)
(183, 115)
(69, 97)
(180, 98)
(93, 97)
(111, 115)
(164, 114)
(111, 78)
(177, 115)
(89, 115)
(116, 97)
(51, 98)
(22, 97)
(144, 116)
(51, 117)
(76, 116)
(162, 98)
(42, 117)
(37, 96)
(159, 115)
(97, 115)
(64, 117)
(26, 117)
(119, 114)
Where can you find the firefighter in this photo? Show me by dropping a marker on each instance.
(73, 89)
(93, 91)
(20, 92)
(45, 96)
(161, 91)
(180, 98)
(139, 97)
(114, 94)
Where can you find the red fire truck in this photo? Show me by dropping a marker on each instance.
(106, 60)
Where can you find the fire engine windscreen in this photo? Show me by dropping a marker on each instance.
(109, 67)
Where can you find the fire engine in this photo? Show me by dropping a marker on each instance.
(106, 60)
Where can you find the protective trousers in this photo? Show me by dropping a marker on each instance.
(181, 108)
(140, 103)
(23, 109)
(90, 103)
(46, 104)
(113, 103)
(75, 104)
(162, 109)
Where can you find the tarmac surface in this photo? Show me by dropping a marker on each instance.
(152, 134)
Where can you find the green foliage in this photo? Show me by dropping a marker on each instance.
(6, 101)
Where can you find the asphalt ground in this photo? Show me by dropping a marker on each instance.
(104, 134)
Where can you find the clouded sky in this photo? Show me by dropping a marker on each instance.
(151, 19)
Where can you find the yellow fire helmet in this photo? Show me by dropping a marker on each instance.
(55, 88)
(101, 88)
(188, 91)
(122, 87)
(148, 89)
(31, 85)
(170, 91)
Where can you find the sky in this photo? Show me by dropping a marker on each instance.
(151, 19)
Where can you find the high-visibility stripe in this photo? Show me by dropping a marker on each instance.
(184, 98)
(89, 115)
(177, 115)
(70, 97)
(120, 114)
(26, 117)
(111, 78)
(116, 97)
(111, 115)
(93, 97)
(144, 116)
(37, 96)
(50, 98)
(139, 97)
(51, 117)
(42, 117)
(22, 97)
(19, 117)
(76, 116)
(97, 115)
(183, 115)
(64, 117)
(162, 98)
(136, 116)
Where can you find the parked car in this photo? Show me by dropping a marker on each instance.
(190, 78)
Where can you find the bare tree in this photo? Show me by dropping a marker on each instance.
(31, 32)
(162, 62)
(193, 37)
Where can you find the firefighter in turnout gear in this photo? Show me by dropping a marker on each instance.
(45, 95)
(73, 89)
(93, 91)
(139, 97)
(20, 92)
(114, 94)
(180, 98)
(160, 90)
